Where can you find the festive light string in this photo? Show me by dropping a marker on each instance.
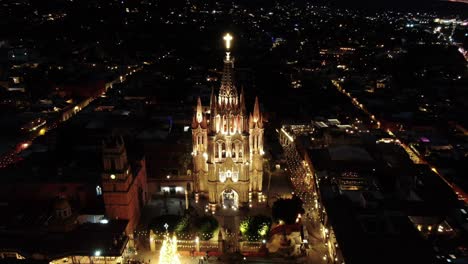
(308, 196)
(168, 253)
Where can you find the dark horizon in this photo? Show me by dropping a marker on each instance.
(444, 7)
(441, 7)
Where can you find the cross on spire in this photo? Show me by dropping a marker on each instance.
(227, 39)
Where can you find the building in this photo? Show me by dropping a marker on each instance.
(97, 174)
(57, 233)
(373, 202)
(124, 188)
(227, 145)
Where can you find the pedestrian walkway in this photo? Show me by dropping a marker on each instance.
(303, 187)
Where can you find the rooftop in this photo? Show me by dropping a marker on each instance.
(368, 236)
(349, 153)
(84, 240)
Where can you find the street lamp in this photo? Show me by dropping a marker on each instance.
(197, 244)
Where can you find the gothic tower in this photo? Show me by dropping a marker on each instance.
(199, 151)
(228, 145)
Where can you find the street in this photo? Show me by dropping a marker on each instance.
(303, 182)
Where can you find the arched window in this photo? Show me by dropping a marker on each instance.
(237, 149)
(240, 151)
(223, 150)
(222, 176)
(200, 139)
(235, 176)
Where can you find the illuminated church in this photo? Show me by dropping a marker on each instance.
(227, 145)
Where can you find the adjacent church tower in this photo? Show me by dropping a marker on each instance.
(124, 188)
(228, 145)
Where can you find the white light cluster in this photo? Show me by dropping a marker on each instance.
(224, 175)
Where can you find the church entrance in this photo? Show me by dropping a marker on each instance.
(230, 199)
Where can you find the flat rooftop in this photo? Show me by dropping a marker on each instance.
(84, 241)
(367, 236)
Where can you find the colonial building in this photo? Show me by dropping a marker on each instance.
(124, 187)
(227, 145)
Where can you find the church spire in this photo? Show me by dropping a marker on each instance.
(260, 121)
(228, 92)
(213, 103)
(199, 113)
(204, 123)
(242, 102)
(194, 122)
(256, 111)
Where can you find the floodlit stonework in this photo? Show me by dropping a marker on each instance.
(227, 145)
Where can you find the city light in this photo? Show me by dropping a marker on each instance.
(367, 108)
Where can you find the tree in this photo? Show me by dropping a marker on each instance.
(205, 226)
(254, 228)
(287, 209)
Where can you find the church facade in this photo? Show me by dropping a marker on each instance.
(227, 145)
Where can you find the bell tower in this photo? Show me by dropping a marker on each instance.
(116, 175)
(124, 184)
(117, 180)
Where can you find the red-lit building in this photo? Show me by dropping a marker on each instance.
(99, 182)
(124, 188)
